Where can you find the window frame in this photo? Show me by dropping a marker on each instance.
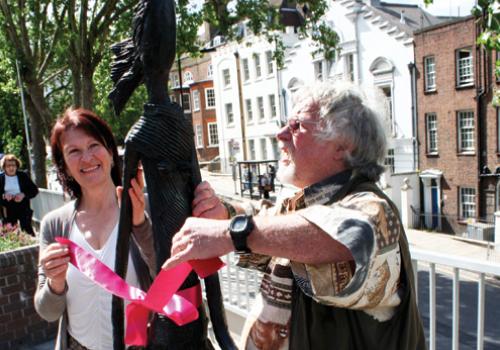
(187, 76)
(226, 79)
(257, 66)
(249, 111)
(458, 81)
(246, 69)
(199, 135)
(196, 100)
(462, 204)
(188, 102)
(460, 127)
(430, 150)
(212, 126)
(229, 113)
(272, 105)
(430, 74)
(261, 108)
(208, 98)
(210, 71)
(269, 62)
(389, 160)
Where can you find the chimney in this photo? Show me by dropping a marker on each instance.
(403, 19)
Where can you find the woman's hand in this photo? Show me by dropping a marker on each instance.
(54, 261)
(206, 204)
(136, 196)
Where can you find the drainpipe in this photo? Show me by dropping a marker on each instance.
(414, 113)
(357, 11)
(481, 134)
(240, 100)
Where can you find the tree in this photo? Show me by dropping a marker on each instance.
(32, 33)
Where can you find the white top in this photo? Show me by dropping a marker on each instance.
(88, 305)
(11, 185)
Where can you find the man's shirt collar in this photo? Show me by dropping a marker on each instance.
(322, 191)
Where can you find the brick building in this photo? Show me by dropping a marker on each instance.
(458, 129)
(197, 98)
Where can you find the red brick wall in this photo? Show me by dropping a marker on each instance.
(458, 170)
(20, 325)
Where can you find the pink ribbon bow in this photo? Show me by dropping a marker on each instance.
(162, 297)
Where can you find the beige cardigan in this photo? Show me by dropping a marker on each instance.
(52, 307)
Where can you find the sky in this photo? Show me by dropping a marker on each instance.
(443, 7)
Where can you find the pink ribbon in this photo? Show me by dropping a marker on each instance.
(162, 297)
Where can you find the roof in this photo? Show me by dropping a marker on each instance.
(407, 18)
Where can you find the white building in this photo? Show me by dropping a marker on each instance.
(376, 52)
(247, 86)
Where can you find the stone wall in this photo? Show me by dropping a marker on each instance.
(20, 325)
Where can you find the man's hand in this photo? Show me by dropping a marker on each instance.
(19, 197)
(54, 260)
(200, 239)
(136, 196)
(206, 204)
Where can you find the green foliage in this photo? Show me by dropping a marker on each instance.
(11, 237)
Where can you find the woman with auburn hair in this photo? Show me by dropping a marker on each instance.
(16, 190)
(86, 157)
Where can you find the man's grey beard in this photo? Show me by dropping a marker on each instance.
(286, 174)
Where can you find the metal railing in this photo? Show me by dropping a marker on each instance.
(240, 287)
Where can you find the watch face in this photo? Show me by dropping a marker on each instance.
(239, 225)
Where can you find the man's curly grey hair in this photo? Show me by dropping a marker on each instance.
(345, 115)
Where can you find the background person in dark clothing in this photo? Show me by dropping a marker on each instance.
(16, 190)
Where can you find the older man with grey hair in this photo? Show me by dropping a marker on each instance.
(337, 269)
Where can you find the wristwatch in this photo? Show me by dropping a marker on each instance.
(239, 228)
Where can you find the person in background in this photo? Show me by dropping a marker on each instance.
(336, 262)
(16, 191)
(85, 155)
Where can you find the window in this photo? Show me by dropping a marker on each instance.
(272, 105)
(199, 136)
(251, 149)
(389, 160)
(318, 70)
(263, 148)
(465, 72)
(172, 98)
(466, 131)
(174, 78)
(387, 93)
(229, 113)
(269, 61)
(210, 71)
(350, 66)
(213, 136)
(248, 105)
(246, 69)
(431, 124)
(226, 77)
(185, 102)
(209, 98)
(196, 100)
(467, 202)
(258, 69)
(188, 77)
(260, 106)
(274, 146)
(430, 73)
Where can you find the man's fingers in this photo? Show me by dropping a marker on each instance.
(174, 261)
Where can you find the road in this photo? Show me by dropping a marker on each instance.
(468, 311)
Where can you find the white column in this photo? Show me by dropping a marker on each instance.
(406, 201)
(497, 230)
